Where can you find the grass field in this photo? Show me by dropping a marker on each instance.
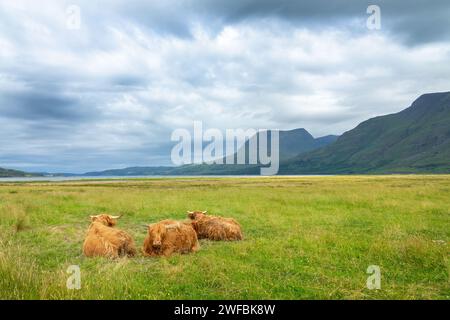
(305, 238)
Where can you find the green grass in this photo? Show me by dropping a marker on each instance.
(305, 238)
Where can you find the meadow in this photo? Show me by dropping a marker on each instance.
(305, 238)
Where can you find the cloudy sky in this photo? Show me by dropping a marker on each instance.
(109, 93)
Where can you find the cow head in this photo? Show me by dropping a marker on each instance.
(157, 233)
(105, 219)
(196, 214)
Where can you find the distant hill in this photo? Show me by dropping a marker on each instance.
(415, 140)
(292, 143)
(132, 171)
(295, 142)
(7, 173)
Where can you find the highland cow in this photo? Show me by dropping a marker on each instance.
(103, 239)
(214, 228)
(169, 236)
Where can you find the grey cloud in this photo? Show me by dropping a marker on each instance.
(415, 21)
(40, 106)
(129, 81)
(114, 90)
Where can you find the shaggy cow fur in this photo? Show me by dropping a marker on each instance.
(169, 236)
(215, 228)
(103, 239)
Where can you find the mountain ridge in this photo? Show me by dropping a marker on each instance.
(416, 139)
(10, 173)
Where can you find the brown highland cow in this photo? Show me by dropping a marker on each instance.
(169, 236)
(103, 239)
(214, 228)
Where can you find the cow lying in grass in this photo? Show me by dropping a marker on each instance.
(169, 236)
(103, 239)
(214, 228)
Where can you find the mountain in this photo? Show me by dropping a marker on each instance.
(7, 173)
(298, 141)
(132, 171)
(415, 140)
(291, 142)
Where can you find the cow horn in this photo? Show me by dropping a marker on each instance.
(190, 212)
(116, 217)
(204, 211)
